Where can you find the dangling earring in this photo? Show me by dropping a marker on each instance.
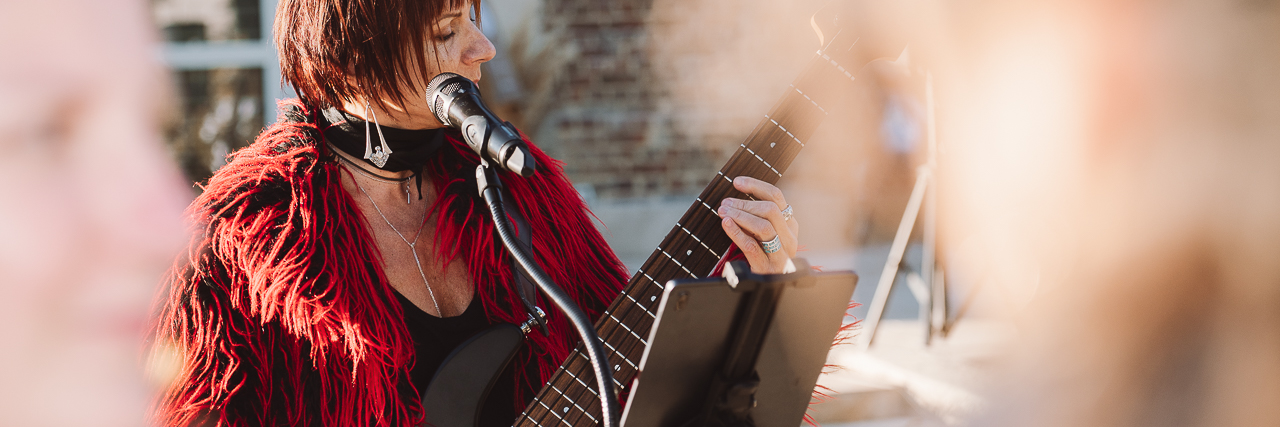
(380, 156)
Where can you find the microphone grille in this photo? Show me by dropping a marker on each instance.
(436, 96)
(437, 107)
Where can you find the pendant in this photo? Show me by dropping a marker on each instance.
(379, 157)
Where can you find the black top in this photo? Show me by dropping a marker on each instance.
(434, 338)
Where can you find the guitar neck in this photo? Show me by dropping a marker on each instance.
(691, 249)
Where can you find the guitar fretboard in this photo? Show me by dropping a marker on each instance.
(691, 250)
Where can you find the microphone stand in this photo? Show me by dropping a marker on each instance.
(491, 189)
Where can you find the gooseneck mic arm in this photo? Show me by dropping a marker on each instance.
(491, 189)
(456, 102)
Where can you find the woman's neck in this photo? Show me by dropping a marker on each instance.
(380, 173)
(386, 114)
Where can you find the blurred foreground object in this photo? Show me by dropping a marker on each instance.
(1119, 164)
(91, 208)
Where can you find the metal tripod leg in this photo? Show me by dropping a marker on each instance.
(896, 252)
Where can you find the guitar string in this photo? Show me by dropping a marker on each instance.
(618, 324)
(620, 353)
(748, 168)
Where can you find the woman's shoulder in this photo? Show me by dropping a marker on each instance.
(273, 170)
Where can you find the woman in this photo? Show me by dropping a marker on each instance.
(328, 285)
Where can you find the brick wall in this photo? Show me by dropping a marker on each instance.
(604, 112)
(646, 99)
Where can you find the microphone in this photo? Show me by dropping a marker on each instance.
(455, 100)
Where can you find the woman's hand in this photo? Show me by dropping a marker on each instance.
(751, 223)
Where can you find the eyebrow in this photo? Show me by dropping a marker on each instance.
(449, 15)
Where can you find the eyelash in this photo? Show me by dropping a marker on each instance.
(446, 37)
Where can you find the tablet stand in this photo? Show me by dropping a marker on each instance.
(742, 350)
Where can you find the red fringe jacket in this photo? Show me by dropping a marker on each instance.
(280, 314)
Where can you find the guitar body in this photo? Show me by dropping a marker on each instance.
(460, 386)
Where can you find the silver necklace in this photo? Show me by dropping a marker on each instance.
(412, 245)
(377, 177)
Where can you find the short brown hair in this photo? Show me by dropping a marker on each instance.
(323, 42)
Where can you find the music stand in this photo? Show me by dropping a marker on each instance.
(707, 362)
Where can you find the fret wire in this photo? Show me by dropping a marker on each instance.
(554, 412)
(559, 395)
(618, 340)
(756, 170)
(622, 308)
(631, 338)
(575, 406)
(800, 116)
(818, 81)
(695, 237)
(682, 267)
(641, 305)
(762, 160)
(784, 129)
(565, 401)
(836, 64)
(815, 103)
(624, 359)
(609, 335)
(699, 219)
(679, 244)
(592, 400)
(688, 251)
(625, 311)
(631, 345)
(633, 333)
(725, 178)
(649, 287)
(585, 361)
(566, 368)
(709, 208)
(680, 256)
(575, 377)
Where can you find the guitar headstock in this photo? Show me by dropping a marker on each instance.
(860, 31)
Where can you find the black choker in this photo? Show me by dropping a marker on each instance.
(410, 149)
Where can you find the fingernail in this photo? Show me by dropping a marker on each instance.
(726, 202)
(722, 211)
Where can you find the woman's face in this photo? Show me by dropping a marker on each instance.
(459, 47)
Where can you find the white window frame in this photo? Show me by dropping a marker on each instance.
(259, 53)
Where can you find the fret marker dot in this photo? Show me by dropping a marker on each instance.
(616, 367)
(771, 144)
(566, 409)
(653, 298)
(688, 252)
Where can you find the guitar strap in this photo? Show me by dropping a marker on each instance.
(524, 286)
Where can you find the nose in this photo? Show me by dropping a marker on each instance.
(479, 50)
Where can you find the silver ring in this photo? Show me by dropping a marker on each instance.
(786, 213)
(772, 245)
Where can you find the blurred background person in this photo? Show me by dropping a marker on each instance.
(1120, 161)
(90, 209)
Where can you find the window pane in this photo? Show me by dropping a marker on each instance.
(182, 21)
(221, 111)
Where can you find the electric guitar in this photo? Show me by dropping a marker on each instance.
(691, 249)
